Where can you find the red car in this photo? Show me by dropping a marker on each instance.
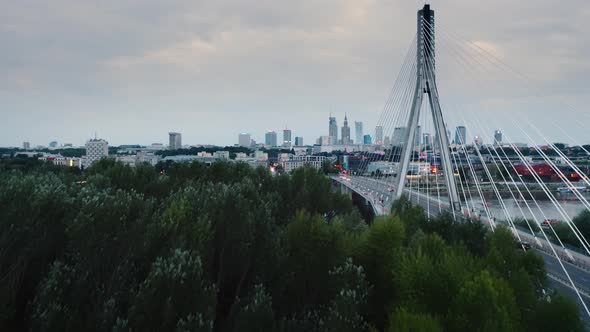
(550, 222)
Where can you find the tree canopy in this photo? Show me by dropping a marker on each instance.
(232, 248)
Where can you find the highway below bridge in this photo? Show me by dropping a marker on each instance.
(380, 194)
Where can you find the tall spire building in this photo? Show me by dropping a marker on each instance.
(346, 132)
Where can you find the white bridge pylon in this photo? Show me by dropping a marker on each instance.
(426, 85)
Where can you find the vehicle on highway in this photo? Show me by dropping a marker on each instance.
(523, 245)
(550, 222)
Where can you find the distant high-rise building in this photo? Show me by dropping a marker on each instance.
(175, 141)
(367, 139)
(333, 130)
(426, 139)
(26, 145)
(379, 135)
(298, 141)
(287, 138)
(386, 141)
(345, 132)
(417, 136)
(399, 135)
(270, 139)
(244, 140)
(497, 137)
(460, 135)
(96, 149)
(358, 130)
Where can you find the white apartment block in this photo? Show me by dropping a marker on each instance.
(96, 149)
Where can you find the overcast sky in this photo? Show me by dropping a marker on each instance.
(133, 70)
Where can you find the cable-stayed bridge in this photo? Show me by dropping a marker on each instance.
(464, 179)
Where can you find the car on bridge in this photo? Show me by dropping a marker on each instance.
(550, 222)
(523, 245)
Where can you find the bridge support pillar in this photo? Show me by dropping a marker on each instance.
(426, 84)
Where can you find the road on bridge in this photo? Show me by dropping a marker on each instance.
(381, 193)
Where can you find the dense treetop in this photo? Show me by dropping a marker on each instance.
(231, 248)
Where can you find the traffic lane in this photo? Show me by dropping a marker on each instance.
(580, 277)
(569, 293)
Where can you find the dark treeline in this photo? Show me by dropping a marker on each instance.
(231, 248)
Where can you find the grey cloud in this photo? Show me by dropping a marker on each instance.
(200, 66)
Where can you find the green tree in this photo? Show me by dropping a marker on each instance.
(51, 310)
(329, 168)
(175, 293)
(431, 274)
(379, 255)
(582, 222)
(350, 305)
(559, 314)
(402, 320)
(502, 255)
(257, 314)
(106, 248)
(484, 303)
(313, 248)
(33, 210)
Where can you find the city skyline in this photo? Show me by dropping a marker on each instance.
(173, 67)
(270, 138)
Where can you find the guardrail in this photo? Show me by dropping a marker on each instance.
(378, 205)
(581, 289)
(562, 253)
(565, 254)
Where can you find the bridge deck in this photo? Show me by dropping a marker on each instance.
(380, 194)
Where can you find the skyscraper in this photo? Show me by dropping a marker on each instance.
(346, 132)
(497, 137)
(426, 139)
(399, 135)
(367, 139)
(417, 135)
(270, 139)
(298, 141)
(175, 141)
(333, 130)
(460, 135)
(287, 138)
(244, 140)
(96, 149)
(358, 130)
(379, 135)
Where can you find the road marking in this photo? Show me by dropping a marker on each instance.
(582, 291)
